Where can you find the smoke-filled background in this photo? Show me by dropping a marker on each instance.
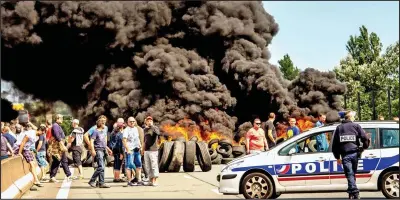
(206, 61)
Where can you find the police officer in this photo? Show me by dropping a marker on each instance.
(345, 145)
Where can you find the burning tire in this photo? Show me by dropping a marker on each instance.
(180, 139)
(178, 149)
(88, 160)
(213, 153)
(238, 150)
(189, 157)
(217, 160)
(224, 150)
(164, 156)
(213, 141)
(84, 155)
(226, 160)
(225, 142)
(203, 156)
(194, 139)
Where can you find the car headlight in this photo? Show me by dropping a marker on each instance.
(231, 166)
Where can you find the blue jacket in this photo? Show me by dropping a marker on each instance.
(115, 143)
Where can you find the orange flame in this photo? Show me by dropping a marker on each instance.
(303, 123)
(188, 129)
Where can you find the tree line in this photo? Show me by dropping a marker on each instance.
(370, 73)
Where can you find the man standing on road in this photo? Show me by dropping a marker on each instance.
(345, 145)
(58, 150)
(75, 143)
(270, 130)
(321, 140)
(132, 147)
(41, 150)
(255, 138)
(98, 141)
(150, 149)
(115, 145)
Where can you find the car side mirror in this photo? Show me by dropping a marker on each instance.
(292, 151)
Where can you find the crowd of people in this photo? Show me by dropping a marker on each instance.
(132, 146)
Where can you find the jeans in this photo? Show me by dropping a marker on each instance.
(3, 157)
(100, 167)
(41, 158)
(137, 159)
(117, 162)
(56, 164)
(350, 165)
(129, 161)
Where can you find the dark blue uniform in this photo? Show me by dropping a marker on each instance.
(346, 142)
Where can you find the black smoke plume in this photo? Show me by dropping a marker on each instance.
(7, 112)
(207, 61)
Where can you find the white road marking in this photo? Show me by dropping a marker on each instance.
(64, 190)
(216, 191)
(188, 177)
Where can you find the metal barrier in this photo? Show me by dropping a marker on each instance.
(16, 178)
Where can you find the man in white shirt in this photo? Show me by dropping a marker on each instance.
(132, 147)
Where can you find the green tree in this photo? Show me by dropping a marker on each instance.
(287, 68)
(364, 72)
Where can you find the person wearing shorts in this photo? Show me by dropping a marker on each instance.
(132, 147)
(115, 145)
(75, 143)
(22, 147)
(41, 150)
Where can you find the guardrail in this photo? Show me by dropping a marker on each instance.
(16, 178)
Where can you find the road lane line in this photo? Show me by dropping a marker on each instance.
(64, 190)
(216, 191)
(188, 177)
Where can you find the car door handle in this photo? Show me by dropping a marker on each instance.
(370, 156)
(321, 159)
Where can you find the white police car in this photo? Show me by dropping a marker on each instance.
(285, 169)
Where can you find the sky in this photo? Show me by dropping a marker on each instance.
(314, 34)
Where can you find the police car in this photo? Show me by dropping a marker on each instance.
(296, 165)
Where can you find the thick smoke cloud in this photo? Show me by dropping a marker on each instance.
(206, 61)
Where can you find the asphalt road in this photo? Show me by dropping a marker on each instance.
(180, 185)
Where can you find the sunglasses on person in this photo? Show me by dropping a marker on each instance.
(258, 123)
(132, 121)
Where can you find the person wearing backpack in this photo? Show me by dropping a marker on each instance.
(116, 146)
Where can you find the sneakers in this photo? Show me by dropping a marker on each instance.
(53, 180)
(93, 185)
(104, 186)
(354, 196)
(80, 177)
(131, 184)
(69, 178)
(145, 179)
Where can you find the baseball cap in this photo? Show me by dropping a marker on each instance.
(149, 117)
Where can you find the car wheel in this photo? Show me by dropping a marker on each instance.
(390, 185)
(257, 186)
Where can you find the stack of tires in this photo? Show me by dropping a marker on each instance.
(225, 151)
(174, 154)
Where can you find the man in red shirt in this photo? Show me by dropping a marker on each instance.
(48, 130)
(255, 138)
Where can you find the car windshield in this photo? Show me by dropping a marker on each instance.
(295, 138)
